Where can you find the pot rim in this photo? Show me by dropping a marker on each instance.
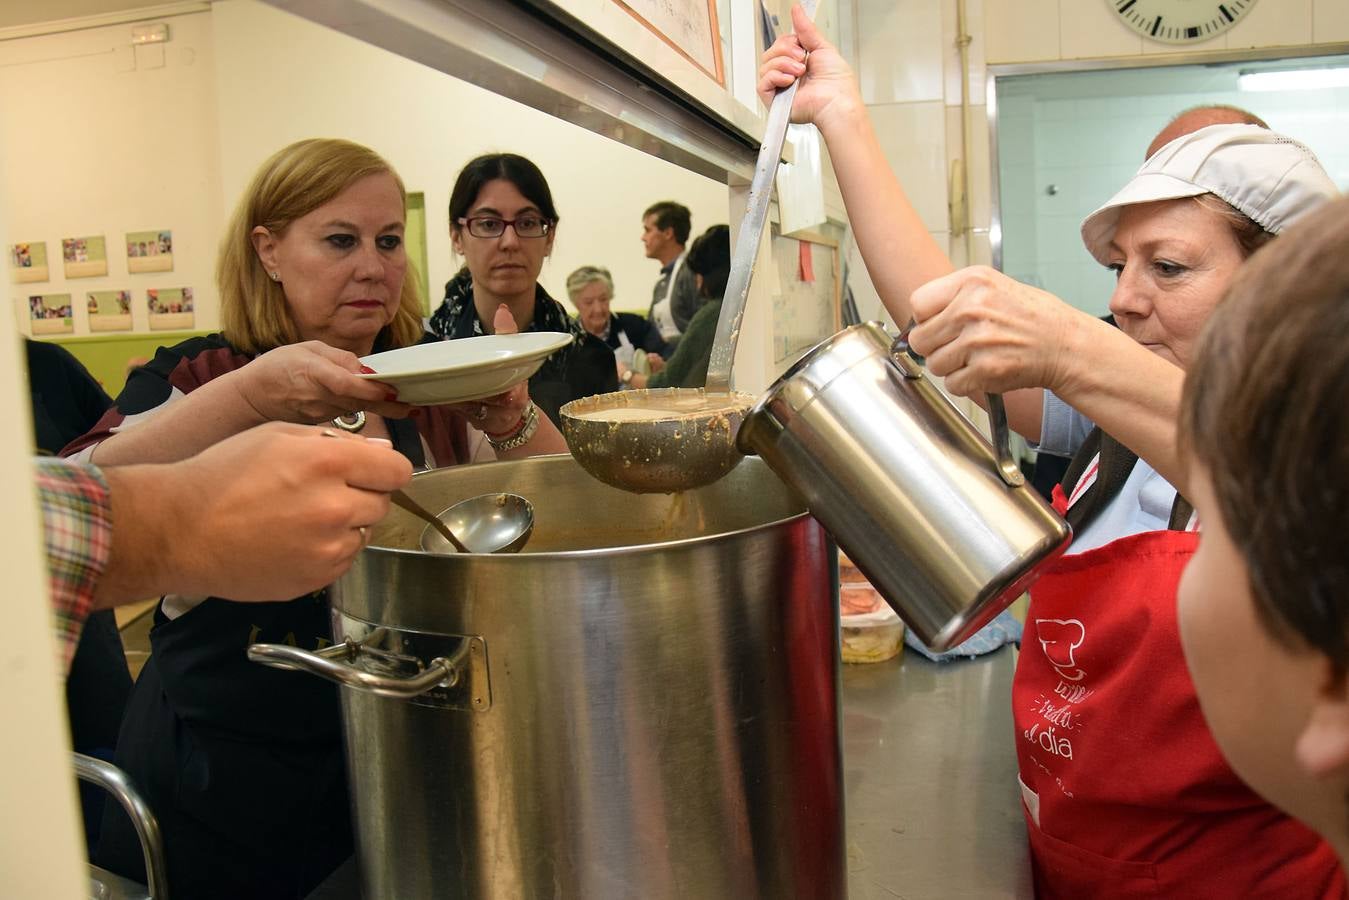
(595, 551)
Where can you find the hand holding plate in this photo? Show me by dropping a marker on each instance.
(312, 382)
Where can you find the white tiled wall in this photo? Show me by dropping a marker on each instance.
(914, 137)
(906, 63)
(1330, 20)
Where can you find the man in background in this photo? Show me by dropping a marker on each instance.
(674, 299)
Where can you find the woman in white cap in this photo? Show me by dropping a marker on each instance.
(1124, 791)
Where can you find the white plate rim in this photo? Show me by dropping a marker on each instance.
(560, 340)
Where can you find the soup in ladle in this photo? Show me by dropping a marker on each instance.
(659, 440)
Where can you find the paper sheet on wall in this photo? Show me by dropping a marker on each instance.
(804, 312)
(801, 182)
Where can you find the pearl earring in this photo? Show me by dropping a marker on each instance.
(276, 276)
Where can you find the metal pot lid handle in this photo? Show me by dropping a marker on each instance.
(329, 663)
(751, 230)
(1008, 469)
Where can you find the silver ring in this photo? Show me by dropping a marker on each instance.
(351, 422)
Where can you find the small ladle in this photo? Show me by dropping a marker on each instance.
(401, 499)
(493, 523)
(489, 523)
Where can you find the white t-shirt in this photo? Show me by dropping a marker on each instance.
(1143, 504)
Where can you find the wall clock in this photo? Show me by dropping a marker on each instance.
(1180, 21)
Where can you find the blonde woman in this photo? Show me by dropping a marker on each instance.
(242, 764)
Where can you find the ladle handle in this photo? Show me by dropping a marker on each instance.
(421, 512)
(997, 412)
(751, 230)
(329, 663)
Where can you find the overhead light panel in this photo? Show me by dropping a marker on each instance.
(1293, 80)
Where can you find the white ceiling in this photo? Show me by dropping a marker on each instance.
(28, 12)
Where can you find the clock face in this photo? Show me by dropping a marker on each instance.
(1180, 21)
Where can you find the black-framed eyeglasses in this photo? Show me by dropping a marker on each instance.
(528, 226)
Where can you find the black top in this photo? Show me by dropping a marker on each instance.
(67, 401)
(641, 333)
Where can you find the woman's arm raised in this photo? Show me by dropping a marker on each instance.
(899, 251)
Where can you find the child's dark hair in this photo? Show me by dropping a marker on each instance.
(710, 257)
(1265, 414)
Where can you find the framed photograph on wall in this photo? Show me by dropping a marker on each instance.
(689, 26)
(149, 251)
(170, 308)
(28, 262)
(85, 257)
(109, 310)
(51, 314)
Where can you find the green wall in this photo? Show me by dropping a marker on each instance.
(106, 355)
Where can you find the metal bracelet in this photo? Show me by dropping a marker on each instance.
(521, 437)
(352, 422)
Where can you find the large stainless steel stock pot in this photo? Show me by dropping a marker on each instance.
(643, 703)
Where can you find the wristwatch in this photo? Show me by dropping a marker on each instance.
(530, 418)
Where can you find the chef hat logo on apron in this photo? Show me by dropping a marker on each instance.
(1059, 638)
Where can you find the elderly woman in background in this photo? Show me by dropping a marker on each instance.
(591, 290)
(503, 224)
(241, 763)
(1124, 790)
(709, 258)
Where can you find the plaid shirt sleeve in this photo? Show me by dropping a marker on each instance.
(77, 529)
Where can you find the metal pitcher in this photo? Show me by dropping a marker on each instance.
(940, 521)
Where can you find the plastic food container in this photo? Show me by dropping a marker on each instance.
(870, 630)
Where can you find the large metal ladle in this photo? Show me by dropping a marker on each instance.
(685, 450)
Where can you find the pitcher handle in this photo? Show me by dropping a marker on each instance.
(1002, 442)
(328, 663)
(1009, 471)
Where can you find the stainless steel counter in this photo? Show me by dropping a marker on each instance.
(930, 774)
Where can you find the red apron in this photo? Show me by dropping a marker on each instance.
(1125, 791)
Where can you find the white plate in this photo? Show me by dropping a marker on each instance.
(464, 369)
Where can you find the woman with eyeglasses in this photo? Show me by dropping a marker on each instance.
(503, 223)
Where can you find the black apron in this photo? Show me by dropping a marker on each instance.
(241, 763)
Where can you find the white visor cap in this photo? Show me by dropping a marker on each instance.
(1271, 178)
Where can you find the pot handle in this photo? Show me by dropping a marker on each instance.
(116, 782)
(997, 413)
(330, 663)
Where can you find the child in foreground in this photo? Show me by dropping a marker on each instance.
(1264, 604)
